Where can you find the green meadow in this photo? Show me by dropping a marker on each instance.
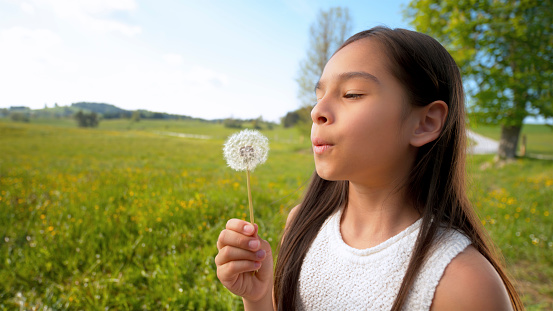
(126, 216)
(539, 138)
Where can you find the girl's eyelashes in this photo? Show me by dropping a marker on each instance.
(347, 96)
(353, 96)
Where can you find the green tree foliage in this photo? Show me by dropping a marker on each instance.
(135, 116)
(232, 123)
(290, 119)
(106, 110)
(87, 119)
(304, 124)
(20, 117)
(258, 123)
(300, 118)
(505, 51)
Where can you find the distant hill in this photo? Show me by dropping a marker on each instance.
(106, 111)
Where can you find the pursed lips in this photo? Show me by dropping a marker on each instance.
(320, 146)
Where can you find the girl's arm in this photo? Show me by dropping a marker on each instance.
(470, 282)
(269, 299)
(265, 304)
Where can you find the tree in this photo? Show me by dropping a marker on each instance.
(20, 117)
(290, 119)
(505, 51)
(135, 116)
(232, 123)
(326, 34)
(257, 123)
(87, 119)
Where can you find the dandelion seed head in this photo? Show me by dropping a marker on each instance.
(246, 149)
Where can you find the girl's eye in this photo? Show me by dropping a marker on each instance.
(353, 96)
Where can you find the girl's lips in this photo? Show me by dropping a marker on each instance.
(320, 146)
(320, 149)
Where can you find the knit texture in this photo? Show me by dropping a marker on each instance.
(335, 276)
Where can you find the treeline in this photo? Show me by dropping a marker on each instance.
(297, 117)
(86, 114)
(18, 114)
(107, 111)
(258, 124)
(87, 119)
(300, 119)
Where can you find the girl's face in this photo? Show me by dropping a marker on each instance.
(361, 123)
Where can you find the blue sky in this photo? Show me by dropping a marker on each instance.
(208, 59)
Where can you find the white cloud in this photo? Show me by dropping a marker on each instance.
(21, 39)
(27, 8)
(104, 25)
(92, 14)
(91, 7)
(32, 61)
(173, 59)
(205, 78)
(30, 50)
(67, 8)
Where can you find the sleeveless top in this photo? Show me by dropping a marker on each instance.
(335, 276)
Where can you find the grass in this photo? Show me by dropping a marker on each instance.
(126, 216)
(514, 202)
(126, 219)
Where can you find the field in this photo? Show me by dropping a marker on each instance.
(539, 138)
(125, 216)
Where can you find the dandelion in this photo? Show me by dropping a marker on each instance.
(244, 151)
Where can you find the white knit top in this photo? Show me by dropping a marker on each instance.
(335, 276)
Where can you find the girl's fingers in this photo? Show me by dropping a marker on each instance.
(233, 268)
(239, 240)
(229, 253)
(242, 226)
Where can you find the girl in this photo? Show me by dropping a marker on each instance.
(385, 223)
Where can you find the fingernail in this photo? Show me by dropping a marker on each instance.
(253, 244)
(260, 254)
(257, 265)
(248, 228)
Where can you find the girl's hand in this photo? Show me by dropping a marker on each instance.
(241, 252)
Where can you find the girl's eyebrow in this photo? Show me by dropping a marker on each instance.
(351, 75)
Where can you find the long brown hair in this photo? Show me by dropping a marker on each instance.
(435, 186)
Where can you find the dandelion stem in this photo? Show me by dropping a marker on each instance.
(250, 197)
(250, 203)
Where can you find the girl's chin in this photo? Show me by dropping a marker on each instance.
(326, 174)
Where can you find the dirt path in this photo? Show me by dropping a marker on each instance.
(482, 145)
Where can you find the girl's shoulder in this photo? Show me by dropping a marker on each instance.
(292, 215)
(289, 219)
(470, 282)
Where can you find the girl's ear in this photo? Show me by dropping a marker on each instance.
(430, 121)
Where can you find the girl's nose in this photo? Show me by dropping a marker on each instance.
(320, 114)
